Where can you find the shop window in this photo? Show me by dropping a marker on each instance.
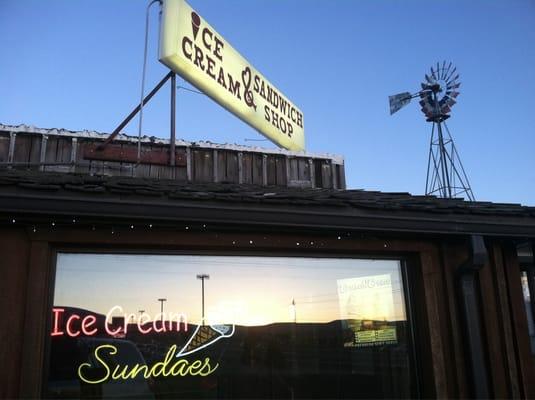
(198, 326)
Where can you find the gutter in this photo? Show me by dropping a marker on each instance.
(471, 314)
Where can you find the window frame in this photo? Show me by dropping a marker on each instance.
(404, 262)
(411, 254)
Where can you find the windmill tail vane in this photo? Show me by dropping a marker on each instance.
(398, 101)
(446, 176)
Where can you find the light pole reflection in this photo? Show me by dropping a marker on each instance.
(202, 277)
(161, 308)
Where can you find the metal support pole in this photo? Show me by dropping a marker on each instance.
(172, 155)
(443, 160)
(135, 111)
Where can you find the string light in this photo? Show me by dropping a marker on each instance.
(275, 241)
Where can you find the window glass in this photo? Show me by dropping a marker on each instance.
(196, 326)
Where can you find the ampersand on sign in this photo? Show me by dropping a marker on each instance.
(246, 78)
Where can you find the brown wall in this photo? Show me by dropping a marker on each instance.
(14, 253)
(26, 287)
(196, 164)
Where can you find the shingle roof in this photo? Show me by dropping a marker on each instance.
(174, 190)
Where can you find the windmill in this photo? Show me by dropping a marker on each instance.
(445, 172)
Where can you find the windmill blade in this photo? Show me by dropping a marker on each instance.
(451, 102)
(452, 85)
(451, 74)
(428, 79)
(447, 71)
(443, 72)
(398, 101)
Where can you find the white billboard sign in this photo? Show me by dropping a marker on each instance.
(193, 49)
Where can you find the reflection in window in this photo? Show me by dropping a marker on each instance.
(156, 326)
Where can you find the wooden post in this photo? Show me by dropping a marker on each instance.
(287, 168)
(215, 165)
(334, 176)
(188, 163)
(240, 167)
(264, 170)
(312, 173)
(11, 152)
(42, 154)
(342, 176)
(74, 145)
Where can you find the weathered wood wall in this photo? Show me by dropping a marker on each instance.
(27, 269)
(195, 164)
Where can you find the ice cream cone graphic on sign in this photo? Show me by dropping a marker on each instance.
(195, 24)
(205, 335)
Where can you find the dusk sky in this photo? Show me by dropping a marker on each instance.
(77, 65)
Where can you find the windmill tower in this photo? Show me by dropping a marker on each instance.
(445, 172)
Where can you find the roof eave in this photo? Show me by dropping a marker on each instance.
(259, 214)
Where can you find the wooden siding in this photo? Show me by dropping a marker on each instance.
(62, 153)
(28, 270)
